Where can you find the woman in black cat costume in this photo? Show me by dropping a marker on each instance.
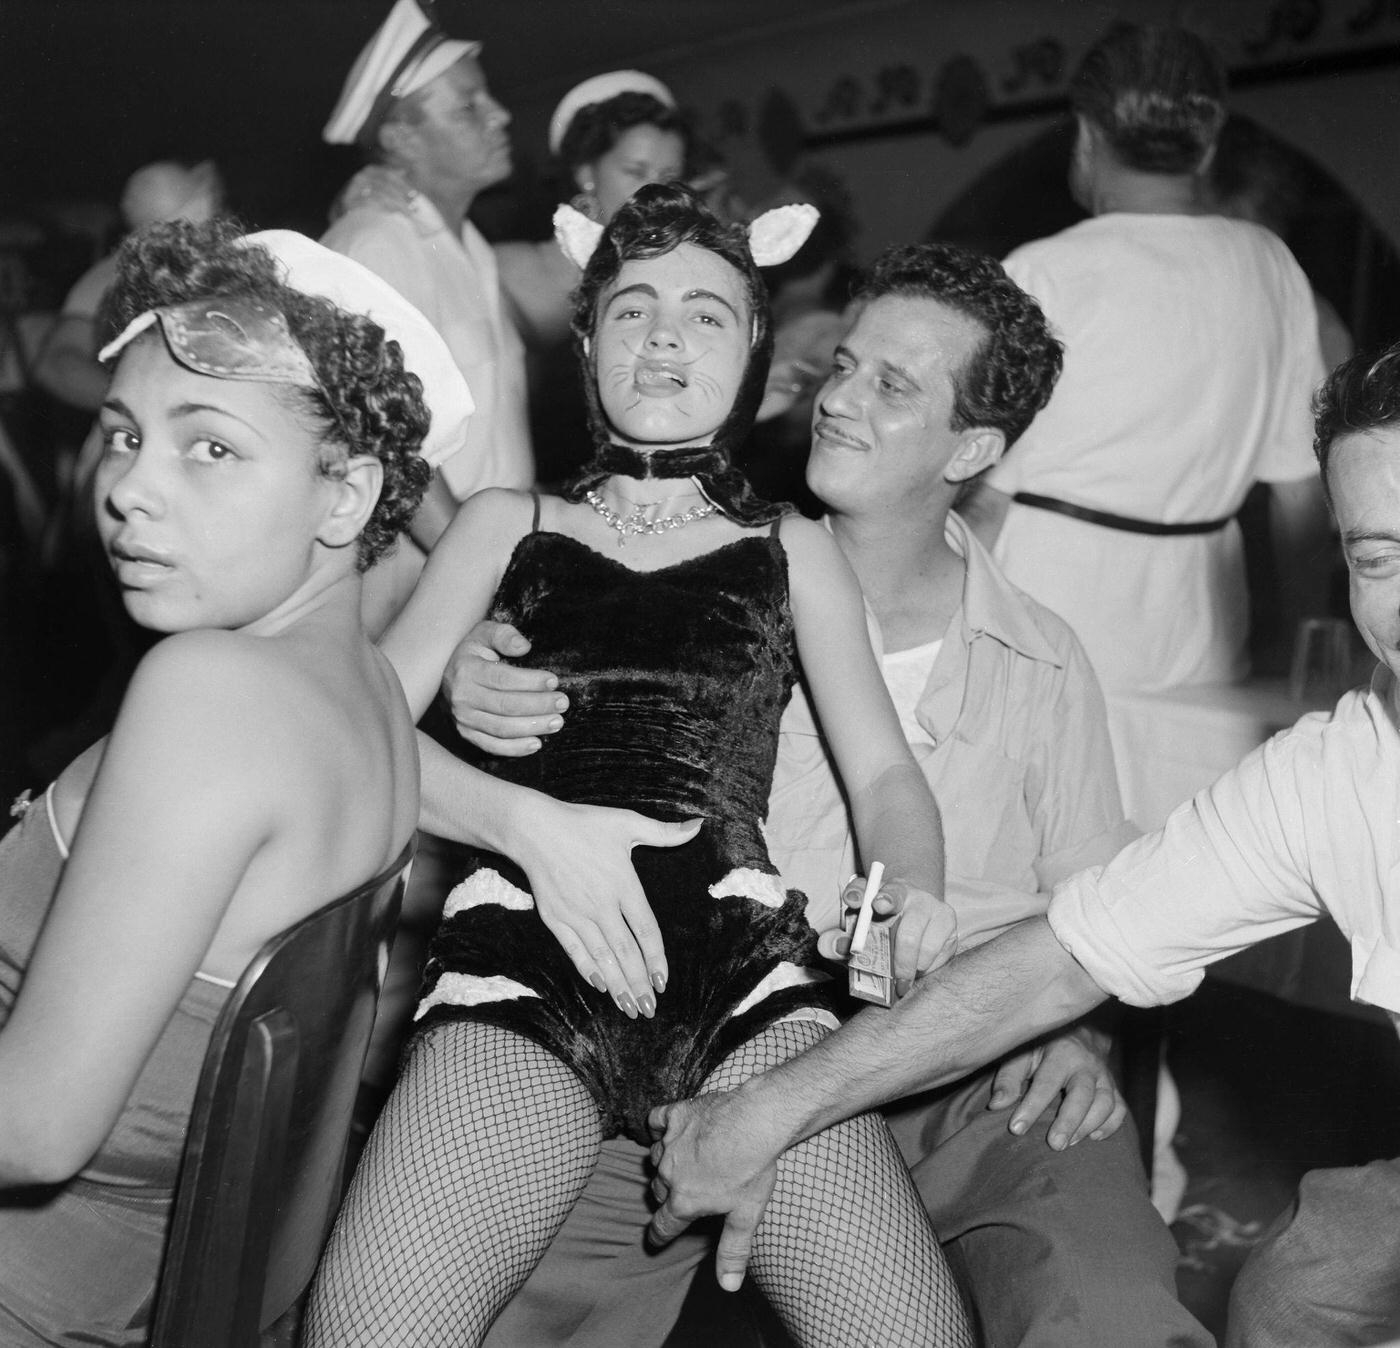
(674, 605)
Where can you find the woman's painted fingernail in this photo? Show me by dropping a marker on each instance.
(597, 980)
(646, 1003)
(625, 1004)
(658, 980)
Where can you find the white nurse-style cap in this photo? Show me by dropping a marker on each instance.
(236, 337)
(598, 89)
(408, 51)
(315, 269)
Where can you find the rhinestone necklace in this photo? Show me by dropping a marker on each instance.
(635, 523)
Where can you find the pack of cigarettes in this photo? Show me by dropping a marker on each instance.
(870, 974)
(870, 965)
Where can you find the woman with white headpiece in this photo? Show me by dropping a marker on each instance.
(674, 603)
(609, 136)
(266, 437)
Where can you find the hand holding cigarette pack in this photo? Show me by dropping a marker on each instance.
(870, 968)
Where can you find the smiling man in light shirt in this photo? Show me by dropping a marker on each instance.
(1305, 825)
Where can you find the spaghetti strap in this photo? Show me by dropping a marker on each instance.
(535, 519)
(773, 528)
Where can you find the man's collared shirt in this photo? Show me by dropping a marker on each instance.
(452, 280)
(1019, 762)
(1309, 823)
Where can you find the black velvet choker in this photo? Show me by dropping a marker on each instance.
(721, 482)
(697, 461)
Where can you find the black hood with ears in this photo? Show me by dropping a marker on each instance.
(658, 218)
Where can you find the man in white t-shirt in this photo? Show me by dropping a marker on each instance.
(1303, 826)
(1190, 354)
(945, 365)
(417, 102)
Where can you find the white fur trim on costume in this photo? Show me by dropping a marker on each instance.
(785, 975)
(819, 1014)
(777, 234)
(744, 882)
(486, 886)
(576, 235)
(472, 990)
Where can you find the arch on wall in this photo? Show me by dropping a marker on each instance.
(1348, 259)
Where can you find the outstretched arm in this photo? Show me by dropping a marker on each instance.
(717, 1152)
(895, 816)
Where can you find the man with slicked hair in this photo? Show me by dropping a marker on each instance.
(1190, 355)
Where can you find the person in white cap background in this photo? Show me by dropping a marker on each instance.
(417, 102)
(610, 135)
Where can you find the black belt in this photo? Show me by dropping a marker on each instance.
(1123, 522)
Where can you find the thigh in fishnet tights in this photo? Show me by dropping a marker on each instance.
(845, 1252)
(482, 1149)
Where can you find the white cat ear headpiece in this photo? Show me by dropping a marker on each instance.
(773, 238)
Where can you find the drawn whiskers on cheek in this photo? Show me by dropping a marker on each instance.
(619, 382)
(706, 383)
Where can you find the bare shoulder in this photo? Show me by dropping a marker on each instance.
(209, 658)
(490, 519)
(813, 554)
(209, 715)
(193, 696)
(221, 680)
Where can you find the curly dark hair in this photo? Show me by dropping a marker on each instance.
(1156, 92)
(658, 218)
(1012, 374)
(1362, 394)
(596, 127)
(365, 393)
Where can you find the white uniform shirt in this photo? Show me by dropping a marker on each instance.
(1191, 353)
(1306, 824)
(453, 282)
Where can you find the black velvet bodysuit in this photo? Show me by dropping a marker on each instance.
(676, 681)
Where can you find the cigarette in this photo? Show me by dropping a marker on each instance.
(867, 906)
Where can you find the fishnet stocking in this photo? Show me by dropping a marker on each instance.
(482, 1149)
(845, 1252)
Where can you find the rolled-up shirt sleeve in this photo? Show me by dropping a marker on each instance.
(1229, 868)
